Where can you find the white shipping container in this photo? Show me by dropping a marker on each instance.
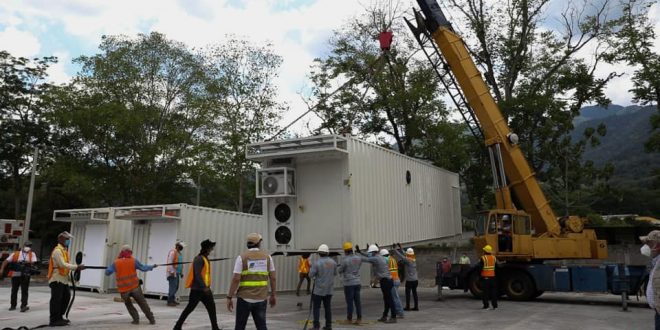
(157, 227)
(99, 238)
(331, 189)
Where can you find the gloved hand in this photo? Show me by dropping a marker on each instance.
(357, 248)
(181, 275)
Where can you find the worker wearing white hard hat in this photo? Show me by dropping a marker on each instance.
(382, 272)
(174, 271)
(410, 264)
(396, 282)
(323, 273)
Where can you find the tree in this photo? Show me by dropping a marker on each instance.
(390, 92)
(631, 40)
(23, 125)
(240, 84)
(536, 76)
(132, 120)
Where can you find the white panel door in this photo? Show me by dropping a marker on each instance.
(93, 255)
(162, 236)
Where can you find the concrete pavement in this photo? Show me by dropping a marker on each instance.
(457, 311)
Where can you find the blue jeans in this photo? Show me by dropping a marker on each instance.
(243, 311)
(395, 298)
(174, 287)
(316, 311)
(352, 294)
(657, 321)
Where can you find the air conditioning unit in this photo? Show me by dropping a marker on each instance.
(281, 223)
(276, 182)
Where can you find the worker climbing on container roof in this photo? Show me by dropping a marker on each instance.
(349, 268)
(174, 272)
(323, 272)
(410, 262)
(253, 270)
(199, 282)
(651, 249)
(487, 265)
(382, 272)
(128, 283)
(396, 281)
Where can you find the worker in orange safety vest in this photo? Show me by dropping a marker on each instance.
(199, 282)
(21, 264)
(487, 266)
(128, 283)
(303, 272)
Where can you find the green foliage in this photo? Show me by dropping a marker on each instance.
(22, 118)
(130, 121)
(631, 39)
(241, 87)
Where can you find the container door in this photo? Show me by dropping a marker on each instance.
(93, 254)
(162, 236)
(140, 243)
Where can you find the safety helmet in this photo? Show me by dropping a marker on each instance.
(372, 248)
(488, 249)
(384, 252)
(323, 248)
(348, 246)
(410, 251)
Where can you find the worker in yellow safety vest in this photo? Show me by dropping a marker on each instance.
(488, 280)
(253, 270)
(396, 282)
(59, 280)
(303, 272)
(199, 282)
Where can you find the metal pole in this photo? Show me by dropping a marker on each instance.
(199, 179)
(28, 213)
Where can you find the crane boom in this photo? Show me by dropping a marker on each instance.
(518, 175)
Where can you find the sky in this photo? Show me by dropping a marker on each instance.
(298, 29)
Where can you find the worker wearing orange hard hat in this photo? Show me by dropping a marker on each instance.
(487, 265)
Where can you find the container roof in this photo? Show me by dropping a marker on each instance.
(326, 146)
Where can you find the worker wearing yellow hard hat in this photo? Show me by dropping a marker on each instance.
(488, 281)
(349, 269)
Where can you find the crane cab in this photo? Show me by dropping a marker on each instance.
(508, 232)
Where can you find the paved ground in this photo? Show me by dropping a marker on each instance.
(457, 311)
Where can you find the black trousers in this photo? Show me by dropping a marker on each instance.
(59, 300)
(195, 297)
(386, 285)
(24, 283)
(411, 286)
(489, 288)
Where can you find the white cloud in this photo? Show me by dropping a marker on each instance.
(297, 33)
(57, 72)
(19, 43)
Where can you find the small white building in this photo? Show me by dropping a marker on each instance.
(155, 229)
(330, 189)
(99, 238)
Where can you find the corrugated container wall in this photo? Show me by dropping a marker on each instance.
(387, 209)
(227, 229)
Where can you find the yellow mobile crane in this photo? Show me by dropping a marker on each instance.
(523, 229)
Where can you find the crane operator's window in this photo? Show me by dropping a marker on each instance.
(492, 225)
(480, 228)
(522, 225)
